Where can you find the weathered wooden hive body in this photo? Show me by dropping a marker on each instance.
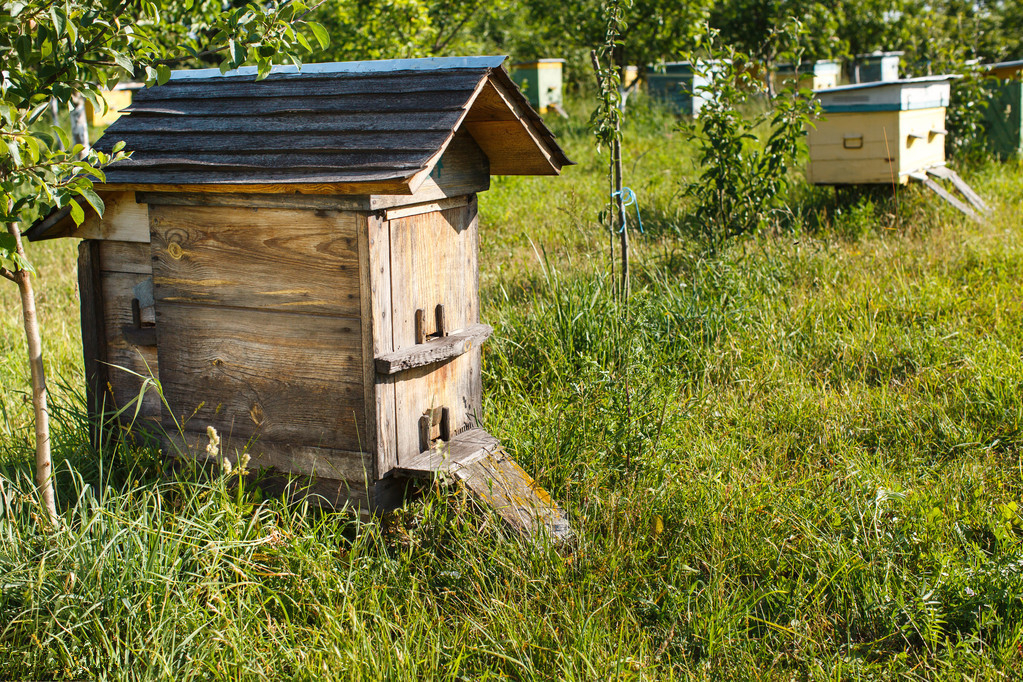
(881, 132)
(296, 260)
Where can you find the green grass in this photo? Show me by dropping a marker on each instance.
(798, 459)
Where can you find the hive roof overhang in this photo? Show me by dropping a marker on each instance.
(350, 127)
(367, 128)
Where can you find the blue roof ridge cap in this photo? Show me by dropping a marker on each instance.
(368, 66)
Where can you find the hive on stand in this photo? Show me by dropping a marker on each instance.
(822, 73)
(681, 84)
(296, 259)
(876, 66)
(886, 132)
(879, 132)
(541, 82)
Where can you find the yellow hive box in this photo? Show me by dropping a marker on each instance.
(879, 133)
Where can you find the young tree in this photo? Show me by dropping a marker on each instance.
(64, 50)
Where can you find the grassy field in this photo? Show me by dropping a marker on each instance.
(798, 459)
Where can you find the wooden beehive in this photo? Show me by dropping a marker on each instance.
(816, 76)
(1003, 116)
(681, 85)
(879, 132)
(296, 260)
(541, 81)
(876, 66)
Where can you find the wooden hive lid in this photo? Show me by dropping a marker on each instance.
(901, 95)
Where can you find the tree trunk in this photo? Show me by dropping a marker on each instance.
(44, 463)
(79, 124)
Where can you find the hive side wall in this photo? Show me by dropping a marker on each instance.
(434, 260)
(260, 335)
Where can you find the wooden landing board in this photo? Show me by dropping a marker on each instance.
(476, 460)
(947, 173)
(946, 195)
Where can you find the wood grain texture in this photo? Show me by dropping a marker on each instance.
(427, 207)
(327, 122)
(90, 292)
(463, 169)
(271, 259)
(303, 202)
(246, 107)
(334, 464)
(368, 323)
(123, 220)
(361, 148)
(434, 259)
(324, 85)
(435, 350)
(116, 256)
(128, 365)
(462, 450)
(281, 376)
(265, 184)
(378, 260)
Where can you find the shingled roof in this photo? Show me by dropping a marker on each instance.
(373, 127)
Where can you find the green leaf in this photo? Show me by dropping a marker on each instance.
(94, 199)
(77, 214)
(320, 33)
(118, 146)
(59, 21)
(237, 52)
(8, 245)
(123, 62)
(12, 149)
(163, 74)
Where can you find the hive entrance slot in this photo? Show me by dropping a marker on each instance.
(440, 327)
(434, 425)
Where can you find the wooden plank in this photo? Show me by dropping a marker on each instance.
(434, 351)
(428, 207)
(854, 172)
(355, 146)
(267, 258)
(116, 256)
(462, 450)
(378, 293)
(285, 377)
(369, 104)
(292, 201)
(463, 169)
(264, 185)
(181, 155)
(128, 365)
(328, 122)
(497, 481)
(330, 463)
(946, 195)
(329, 85)
(90, 292)
(518, 131)
(434, 260)
(123, 220)
(971, 196)
(368, 323)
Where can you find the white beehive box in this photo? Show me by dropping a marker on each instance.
(879, 132)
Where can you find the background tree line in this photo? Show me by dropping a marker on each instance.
(936, 35)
